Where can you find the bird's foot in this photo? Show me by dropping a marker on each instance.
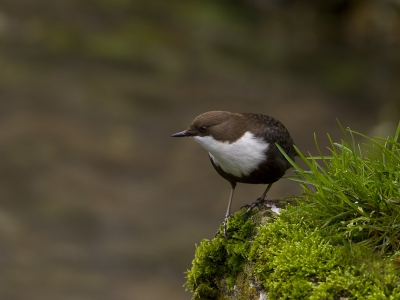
(224, 223)
(259, 203)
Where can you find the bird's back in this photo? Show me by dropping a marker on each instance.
(271, 130)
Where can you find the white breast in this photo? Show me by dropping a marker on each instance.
(239, 158)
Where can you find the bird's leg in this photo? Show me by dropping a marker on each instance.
(259, 202)
(228, 211)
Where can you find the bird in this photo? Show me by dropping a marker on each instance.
(242, 149)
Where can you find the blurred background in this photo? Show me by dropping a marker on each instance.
(96, 200)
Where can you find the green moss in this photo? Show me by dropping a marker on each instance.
(293, 260)
(220, 259)
(355, 282)
(290, 259)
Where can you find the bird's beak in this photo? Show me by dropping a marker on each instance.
(181, 134)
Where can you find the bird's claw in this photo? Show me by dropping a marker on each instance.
(224, 223)
(258, 203)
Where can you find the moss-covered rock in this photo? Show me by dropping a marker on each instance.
(218, 262)
(286, 257)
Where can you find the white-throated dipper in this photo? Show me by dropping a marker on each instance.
(242, 148)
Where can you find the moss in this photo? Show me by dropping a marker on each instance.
(294, 260)
(220, 259)
(245, 288)
(355, 282)
(289, 258)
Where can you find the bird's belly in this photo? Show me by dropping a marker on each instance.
(236, 166)
(239, 158)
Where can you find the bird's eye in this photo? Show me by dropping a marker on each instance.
(202, 129)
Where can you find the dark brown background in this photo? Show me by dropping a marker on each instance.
(97, 201)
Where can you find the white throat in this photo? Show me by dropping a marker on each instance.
(239, 158)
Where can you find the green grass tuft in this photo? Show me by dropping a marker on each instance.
(355, 191)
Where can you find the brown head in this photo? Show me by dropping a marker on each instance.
(221, 125)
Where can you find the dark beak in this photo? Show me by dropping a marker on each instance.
(181, 134)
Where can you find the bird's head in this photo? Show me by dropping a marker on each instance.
(221, 125)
